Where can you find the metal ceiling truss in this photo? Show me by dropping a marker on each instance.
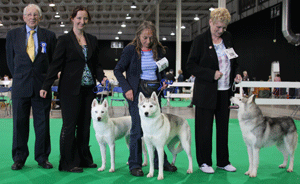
(106, 14)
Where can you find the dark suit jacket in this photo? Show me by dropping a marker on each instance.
(69, 59)
(131, 63)
(28, 76)
(203, 63)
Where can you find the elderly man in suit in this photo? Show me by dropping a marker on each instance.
(29, 51)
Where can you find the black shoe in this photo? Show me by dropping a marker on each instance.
(137, 172)
(89, 166)
(17, 165)
(190, 106)
(170, 168)
(46, 165)
(75, 170)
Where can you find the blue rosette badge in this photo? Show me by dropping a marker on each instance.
(43, 45)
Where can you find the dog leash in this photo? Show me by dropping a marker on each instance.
(100, 88)
(233, 88)
(169, 82)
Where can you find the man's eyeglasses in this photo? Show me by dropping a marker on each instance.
(34, 15)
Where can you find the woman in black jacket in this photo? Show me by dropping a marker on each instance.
(215, 74)
(138, 60)
(76, 56)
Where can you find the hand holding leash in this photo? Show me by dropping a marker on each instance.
(164, 84)
(238, 78)
(100, 88)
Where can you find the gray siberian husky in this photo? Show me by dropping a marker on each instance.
(163, 129)
(261, 131)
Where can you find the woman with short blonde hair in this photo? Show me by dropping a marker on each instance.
(215, 74)
(221, 15)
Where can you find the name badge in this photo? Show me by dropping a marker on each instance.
(230, 53)
(162, 64)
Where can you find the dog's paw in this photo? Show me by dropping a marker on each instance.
(111, 170)
(247, 173)
(145, 164)
(282, 166)
(289, 170)
(101, 168)
(253, 175)
(189, 171)
(160, 177)
(127, 163)
(149, 175)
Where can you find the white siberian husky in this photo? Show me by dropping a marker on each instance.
(163, 129)
(108, 130)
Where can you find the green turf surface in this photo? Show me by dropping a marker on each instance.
(268, 172)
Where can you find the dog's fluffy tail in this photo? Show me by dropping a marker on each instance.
(295, 140)
(175, 149)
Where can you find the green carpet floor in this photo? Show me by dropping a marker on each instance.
(268, 172)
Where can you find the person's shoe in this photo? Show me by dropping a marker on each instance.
(170, 168)
(137, 172)
(92, 165)
(229, 168)
(17, 165)
(190, 106)
(46, 165)
(207, 169)
(75, 170)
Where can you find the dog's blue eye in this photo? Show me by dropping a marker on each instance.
(96, 111)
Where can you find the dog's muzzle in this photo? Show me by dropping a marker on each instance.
(233, 106)
(146, 114)
(99, 118)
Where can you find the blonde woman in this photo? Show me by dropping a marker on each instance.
(214, 73)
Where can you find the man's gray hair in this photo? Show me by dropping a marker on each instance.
(33, 5)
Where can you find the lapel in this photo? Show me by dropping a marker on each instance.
(23, 38)
(226, 40)
(77, 46)
(41, 38)
(89, 46)
(211, 48)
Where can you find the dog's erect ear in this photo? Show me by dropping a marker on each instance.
(94, 103)
(251, 99)
(141, 97)
(105, 103)
(154, 96)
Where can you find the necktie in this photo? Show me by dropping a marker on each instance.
(30, 46)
